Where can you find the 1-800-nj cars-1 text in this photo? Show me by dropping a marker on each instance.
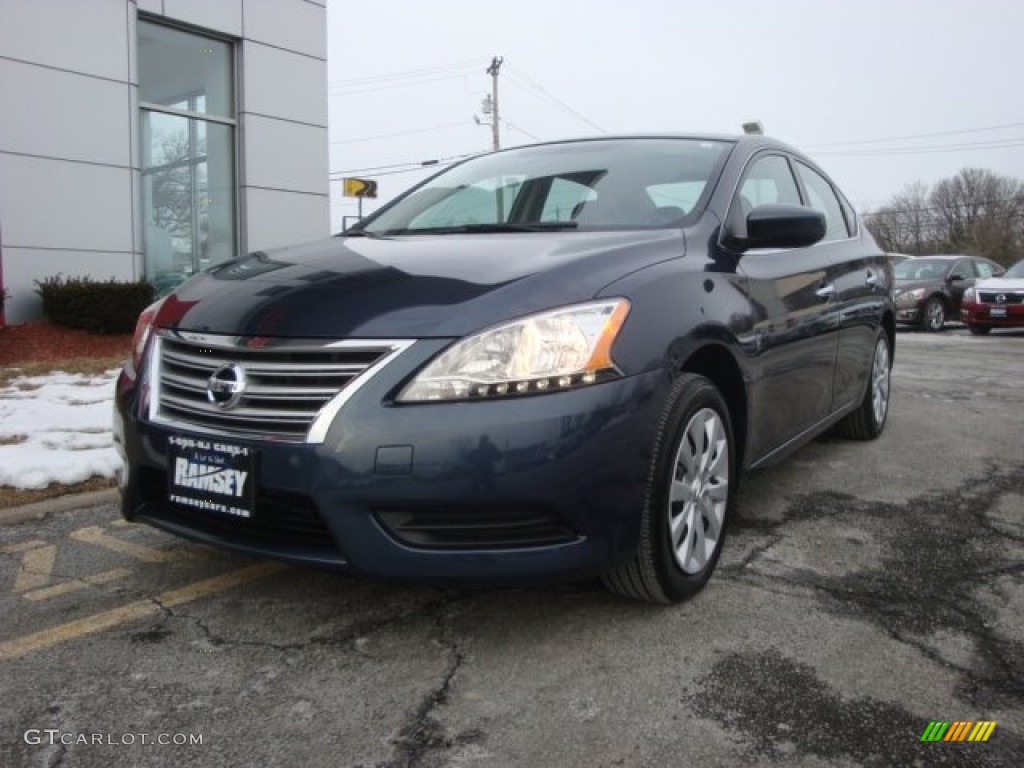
(545, 363)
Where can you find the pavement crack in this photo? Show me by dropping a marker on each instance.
(57, 759)
(421, 740)
(940, 550)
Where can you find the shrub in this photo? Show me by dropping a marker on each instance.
(100, 307)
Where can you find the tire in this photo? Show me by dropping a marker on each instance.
(689, 496)
(933, 315)
(868, 421)
(979, 330)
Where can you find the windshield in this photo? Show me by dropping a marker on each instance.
(586, 185)
(1017, 270)
(922, 269)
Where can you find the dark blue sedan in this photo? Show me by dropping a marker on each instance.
(541, 364)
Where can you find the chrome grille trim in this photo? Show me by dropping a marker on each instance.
(1012, 297)
(295, 387)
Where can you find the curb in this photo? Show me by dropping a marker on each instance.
(42, 509)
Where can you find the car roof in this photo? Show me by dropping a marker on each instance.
(949, 256)
(745, 140)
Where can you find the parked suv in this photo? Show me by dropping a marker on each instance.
(929, 289)
(541, 364)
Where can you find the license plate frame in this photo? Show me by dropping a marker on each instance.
(212, 475)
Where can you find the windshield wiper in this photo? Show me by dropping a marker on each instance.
(361, 233)
(533, 226)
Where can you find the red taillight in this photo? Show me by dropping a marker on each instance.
(142, 331)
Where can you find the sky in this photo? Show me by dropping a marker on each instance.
(880, 93)
(56, 429)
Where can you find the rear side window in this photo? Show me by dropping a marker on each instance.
(823, 198)
(984, 269)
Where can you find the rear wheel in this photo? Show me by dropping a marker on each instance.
(933, 315)
(868, 421)
(688, 497)
(979, 330)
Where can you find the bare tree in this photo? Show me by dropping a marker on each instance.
(975, 212)
(980, 213)
(906, 224)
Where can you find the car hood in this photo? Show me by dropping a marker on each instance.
(408, 287)
(1000, 284)
(899, 286)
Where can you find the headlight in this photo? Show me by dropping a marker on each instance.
(909, 298)
(970, 295)
(548, 352)
(143, 328)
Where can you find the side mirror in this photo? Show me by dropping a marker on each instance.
(956, 277)
(780, 226)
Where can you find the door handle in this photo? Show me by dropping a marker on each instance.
(826, 292)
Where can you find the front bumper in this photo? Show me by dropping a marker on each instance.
(407, 493)
(974, 313)
(910, 316)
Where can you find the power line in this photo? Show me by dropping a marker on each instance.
(525, 81)
(523, 131)
(407, 167)
(923, 150)
(399, 133)
(915, 136)
(391, 86)
(356, 82)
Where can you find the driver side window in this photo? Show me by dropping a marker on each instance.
(768, 180)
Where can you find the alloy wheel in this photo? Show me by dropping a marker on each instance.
(880, 379)
(699, 492)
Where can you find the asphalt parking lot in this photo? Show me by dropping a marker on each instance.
(865, 591)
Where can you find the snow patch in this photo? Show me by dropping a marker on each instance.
(65, 419)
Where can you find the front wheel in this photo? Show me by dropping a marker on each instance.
(868, 421)
(689, 493)
(933, 315)
(979, 330)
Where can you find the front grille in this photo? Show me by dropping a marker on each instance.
(467, 527)
(989, 297)
(280, 519)
(290, 384)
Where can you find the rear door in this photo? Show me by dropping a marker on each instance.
(961, 277)
(860, 276)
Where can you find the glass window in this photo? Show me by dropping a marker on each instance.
(185, 71)
(964, 269)
(564, 199)
(485, 203)
(768, 180)
(188, 150)
(821, 197)
(984, 269)
(602, 184)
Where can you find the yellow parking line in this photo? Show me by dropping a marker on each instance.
(19, 646)
(72, 586)
(96, 535)
(36, 567)
(23, 546)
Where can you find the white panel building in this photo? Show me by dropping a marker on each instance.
(149, 139)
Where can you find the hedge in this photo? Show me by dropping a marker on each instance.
(100, 307)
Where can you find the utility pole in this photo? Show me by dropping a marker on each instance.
(495, 117)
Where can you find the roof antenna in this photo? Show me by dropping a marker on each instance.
(753, 127)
